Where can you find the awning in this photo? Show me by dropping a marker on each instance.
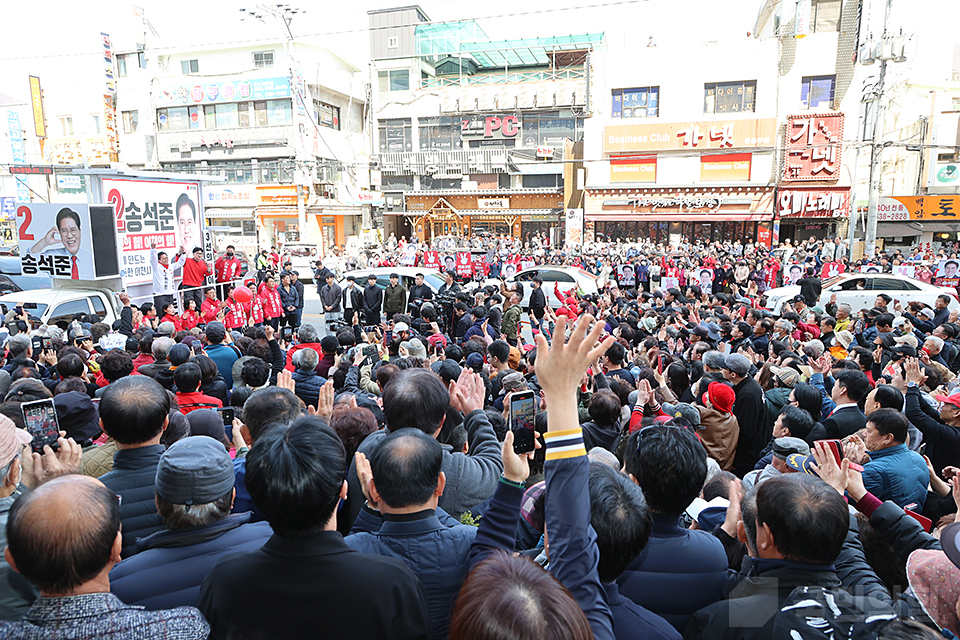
(679, 217)
(232, 213)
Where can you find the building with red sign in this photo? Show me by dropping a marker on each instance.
(462, 119)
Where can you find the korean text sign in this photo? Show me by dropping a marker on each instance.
(167, 213)
(814, 144)
(55, 240)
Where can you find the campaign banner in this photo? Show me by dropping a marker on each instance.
(464, 264)
(431, 260)
(907, 270)
(705, 279)
(832, 269)
(669, 282)
(169, 214)
(626, 275)
(792, 273)
(948, 274)
(409, 255)
(480, 265)
(509, 269)
(527, 264)
(56, 240)
(871, 268)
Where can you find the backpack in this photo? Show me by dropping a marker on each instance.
(811, 613)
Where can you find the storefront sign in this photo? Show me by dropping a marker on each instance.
(68, 184)
(729, 134)
(573, 223)
(493, 203)
(945, 174)
(31, 169)
(814, 144)
(168, 214)
(279, 195)
(633, 169)
(209, 91)
(682, 203)
(544, 152)
(36, 99)
(108, 64)
(489, 127)
(8, 206)
(732, 167)
(234, 195)
(905, 208)
(813, 203)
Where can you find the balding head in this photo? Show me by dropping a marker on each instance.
(64, 534)
(406, 469)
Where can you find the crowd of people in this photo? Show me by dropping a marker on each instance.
(701, 468)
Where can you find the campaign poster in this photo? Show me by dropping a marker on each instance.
(871, 268)
(792, 273)
(626, 276)
(480, 265)
(669, 282)
(431, 260)
(509, 270)
(832, 269)
(948, 274)
(705, 279)
(169, 214)
(409, 255)
(908, 270)
(527, 264)
(449, 262)
(55, 239)
(464, 264)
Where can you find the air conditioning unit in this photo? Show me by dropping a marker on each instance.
(448, 101)
(545, 97)
(564, 94)
(507, 98)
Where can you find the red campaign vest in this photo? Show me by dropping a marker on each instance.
(177, 323)
(190, 319)
(209, 309)
(271, 302)
(227, 270)
(255, 309)
(234, 316)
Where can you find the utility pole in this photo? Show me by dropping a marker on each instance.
(870, 235)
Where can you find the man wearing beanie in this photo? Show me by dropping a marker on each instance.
(719, 428)
(195, 492)
(783, 448)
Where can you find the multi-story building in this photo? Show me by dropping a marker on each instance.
(475, 135)
(737, 139)
(282, 124)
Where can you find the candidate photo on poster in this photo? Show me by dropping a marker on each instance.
(792, 273)
(449, 263)
(948, 273)
(65, 238)
(187, 223)
(705, 279)
(509, 270)
(626, 276)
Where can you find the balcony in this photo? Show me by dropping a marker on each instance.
(512, 77)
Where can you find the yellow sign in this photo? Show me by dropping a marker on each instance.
(36, 97)
(281, 194)
(733, 167)
(930, 208)
(633, 169)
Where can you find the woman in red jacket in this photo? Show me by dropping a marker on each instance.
(191, 317)
(272, 308)
(170, 315)
(234, 315)
(210, 307)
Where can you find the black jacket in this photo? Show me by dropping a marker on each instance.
(372, 298)
(421, 292)
(844, 422)
(295, 588)
(538, 302)
(356, 298)
(810, 289)
(750, 409)
(133, 479)
(943, 441)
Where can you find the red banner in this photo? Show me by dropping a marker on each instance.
(832, 269)
(431, 260)
(464, 264)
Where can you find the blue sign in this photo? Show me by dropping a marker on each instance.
(8, 208)
(227, 91)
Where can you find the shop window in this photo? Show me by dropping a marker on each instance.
(817, 92)
(730, 97)
(396, 135)
(326, 115)
(227, 116)
(549, 181)
(441, 133)
(278, 112)
(640, 102)
(397, 183)
(174, 119)
(262, 59)
(394, 80)
(189, 66)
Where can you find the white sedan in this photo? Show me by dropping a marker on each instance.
(567, 277)
(860, 291)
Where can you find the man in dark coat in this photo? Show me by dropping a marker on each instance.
(372, 302)
(849, 388)
(750, 409)
(810, 287)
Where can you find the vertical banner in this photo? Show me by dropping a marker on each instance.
(17, 152)
(464, 264)
(574, 227)
(108, 63)
(801, 23)
(167, 213)
(431, 260)
(56, 240)
(36, 99)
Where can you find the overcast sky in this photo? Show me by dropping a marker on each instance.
(59, 39)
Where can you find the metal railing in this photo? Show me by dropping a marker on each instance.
(513, 77)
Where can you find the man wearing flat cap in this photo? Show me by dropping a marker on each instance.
(195, 492)
(750, 410)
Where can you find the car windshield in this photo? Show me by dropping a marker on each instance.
(35, 309)
(300, 252)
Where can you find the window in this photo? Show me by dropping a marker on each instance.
(548, 181)
(98, 307)
(95, 123)
(244, 110)
(65, 312)
(175, 119)
(278, 112)
(394, 80)
(189, 66)
(546, 128)
(131, 121)
(262, 59)
(825, 16)
(227, 116)
(142, 60)
(66, 124)
(441, 133)
(233, 172)
(641, 102)
(397, 183)
(121, 66)
(393, 42)
(326, 115)
(816, 92)
(556, 276)
(396, 135)
(892, 284)
(730, 97)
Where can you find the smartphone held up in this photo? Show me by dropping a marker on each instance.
(523, 411)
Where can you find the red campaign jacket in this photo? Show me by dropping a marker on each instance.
(194, 272)
(234, 316)
(188, 402)
(190, 319)
(209, 310)
(271, 302)
(177, 322)
(255, 309)
(227, 270)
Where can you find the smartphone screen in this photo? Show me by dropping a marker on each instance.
(287, 333)
(227, 414)
(40, 418)
(523, 409)
(37, 344)
(47, 344)
(922, 449)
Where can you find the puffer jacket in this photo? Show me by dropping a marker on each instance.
(134, 479)
(170, 564)
(897, 474)
(98, 461)
(776, 399)
(307, 385)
